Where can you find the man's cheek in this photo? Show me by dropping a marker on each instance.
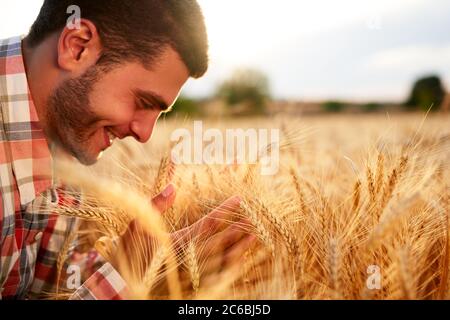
(114, 115)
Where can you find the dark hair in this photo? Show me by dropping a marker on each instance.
(134, 29)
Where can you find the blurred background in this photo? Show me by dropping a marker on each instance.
(310, 57)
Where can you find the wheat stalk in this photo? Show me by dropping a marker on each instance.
(261, 230)
(286, 233)
(301, 196)
(162, 175)
(127, 200)
(346, 225)
(392, 181)
(249, 177)
(197, 191)
(335, 265)
(371, 185)
(194, 270)
(93, 214)
(152, 271)
(406, 280)
(62, 257)
(356, 195)
(380, 173)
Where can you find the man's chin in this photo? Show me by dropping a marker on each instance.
(87, 159)
(85, 162)
(85, 156)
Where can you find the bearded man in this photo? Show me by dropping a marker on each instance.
(78, 89)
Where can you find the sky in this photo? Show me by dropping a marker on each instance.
(357, 50)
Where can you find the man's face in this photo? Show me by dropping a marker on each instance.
(85, 114)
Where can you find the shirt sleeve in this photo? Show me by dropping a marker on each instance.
(81, 276)
(62, 271)
(105, 284)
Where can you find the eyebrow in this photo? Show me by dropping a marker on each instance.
(152, 98)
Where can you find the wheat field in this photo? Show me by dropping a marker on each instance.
(355, 195)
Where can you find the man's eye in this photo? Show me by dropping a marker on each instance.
(146, 105)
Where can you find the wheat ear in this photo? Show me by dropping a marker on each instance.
(334, 266)
(94, 214)
(152, 271)
(286, 233)
(370, 185)
(161, 177)
(356, 195)
(301, 196)
(261, 230)
(379, 180)
(192, 264)
(392, 181)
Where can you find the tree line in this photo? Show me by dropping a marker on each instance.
(247, 92)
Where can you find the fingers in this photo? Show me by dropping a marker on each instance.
(225, 239)
(214, 222)
(236, 253)
(232, 256)
(165, 199)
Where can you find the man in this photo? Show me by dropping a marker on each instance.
(80, 88)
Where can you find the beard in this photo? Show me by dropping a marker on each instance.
(71, 119)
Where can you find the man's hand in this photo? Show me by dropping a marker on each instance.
(219, 241)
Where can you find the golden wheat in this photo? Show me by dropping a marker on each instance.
(320, 225)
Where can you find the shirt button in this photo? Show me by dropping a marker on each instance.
(38, 236)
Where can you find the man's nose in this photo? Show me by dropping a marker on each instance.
(142, 127)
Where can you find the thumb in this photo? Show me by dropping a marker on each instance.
(165, 199)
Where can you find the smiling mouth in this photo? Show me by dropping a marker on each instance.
(109, 137)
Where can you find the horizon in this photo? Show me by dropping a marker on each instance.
(325, 50)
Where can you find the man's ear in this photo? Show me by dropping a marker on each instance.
(79, 48)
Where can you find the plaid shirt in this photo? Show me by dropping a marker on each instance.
(32, 236)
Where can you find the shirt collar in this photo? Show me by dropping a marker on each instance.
(29, 156)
